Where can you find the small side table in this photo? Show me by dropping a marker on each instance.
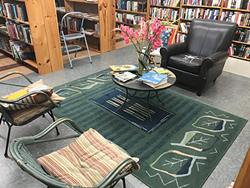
(137, 85)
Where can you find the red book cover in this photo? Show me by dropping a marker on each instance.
(12, 31)
(172, 37)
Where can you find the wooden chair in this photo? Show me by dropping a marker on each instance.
(18, 109)
(89, 160)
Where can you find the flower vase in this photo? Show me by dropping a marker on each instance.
(142, 63)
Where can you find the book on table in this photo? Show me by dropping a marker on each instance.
(156, 86)
(153, 77)
(123, 67)
(124, 76)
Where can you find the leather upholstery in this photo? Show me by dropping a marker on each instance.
(200, 59)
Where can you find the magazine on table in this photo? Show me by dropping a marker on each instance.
(123, 67)
(125, 76)
(153, 77)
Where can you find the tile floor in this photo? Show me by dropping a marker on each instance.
(229, 93)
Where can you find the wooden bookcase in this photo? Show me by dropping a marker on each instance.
(140, 13)
(42, 21)
(105, 10)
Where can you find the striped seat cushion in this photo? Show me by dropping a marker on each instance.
(86, 161)
(20, 117)
(32, 99)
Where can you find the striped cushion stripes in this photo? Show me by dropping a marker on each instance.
(21, 116)
(86, 161)
(32, 99)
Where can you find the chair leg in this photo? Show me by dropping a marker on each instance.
(8, 139)
(1, 119)
(66, 47)
(53, 118)
(87, 49)
(199, 92)
(124, 183)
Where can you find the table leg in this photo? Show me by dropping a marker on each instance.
(148, 106)
(124, 100)
(158, 98)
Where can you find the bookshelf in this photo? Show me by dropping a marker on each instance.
(188, 9)
(241, 42)
(130, 13)
(43, 33)
(100, 12)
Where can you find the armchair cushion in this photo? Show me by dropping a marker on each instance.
(33, 99)
(186, 62)
(20, 117)
(86, 161)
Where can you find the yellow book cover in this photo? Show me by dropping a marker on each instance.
(123, 67)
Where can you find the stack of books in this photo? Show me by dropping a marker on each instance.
(124, 76)
(154, 79)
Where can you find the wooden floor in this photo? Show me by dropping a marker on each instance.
(8, 64)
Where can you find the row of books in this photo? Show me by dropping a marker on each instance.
(242, 36)
(242, 19)
(238, 4)
(240, 50)
(191, 13)
(171, 14)
(184, 26)
(16, 11)
(172, 3)
(4, 43)
(128, 18)
(131, 5)
(19, 31)
(21, 50)
(202, 2)
(180, 37)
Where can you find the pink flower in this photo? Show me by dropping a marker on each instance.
(122, 27)
(131, 33)
(126, 28)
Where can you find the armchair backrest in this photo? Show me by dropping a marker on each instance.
(206, 37)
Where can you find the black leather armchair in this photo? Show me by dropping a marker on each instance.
(200, 59)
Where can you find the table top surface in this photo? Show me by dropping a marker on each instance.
(138, 85)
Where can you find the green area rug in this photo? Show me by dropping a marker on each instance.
(182, 151)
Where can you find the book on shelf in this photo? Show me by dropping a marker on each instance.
(89, 31)
(97, 31)
(4, 43)
(123, 67)
(21, 50)
(152, 77)
(124, 76)
(3, 29)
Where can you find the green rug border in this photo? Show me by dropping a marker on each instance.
(217, 162)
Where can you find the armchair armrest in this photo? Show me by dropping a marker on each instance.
(172, 49)
(213, 60)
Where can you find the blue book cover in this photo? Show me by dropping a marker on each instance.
(152, 77)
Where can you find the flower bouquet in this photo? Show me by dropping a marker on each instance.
(151, 29)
